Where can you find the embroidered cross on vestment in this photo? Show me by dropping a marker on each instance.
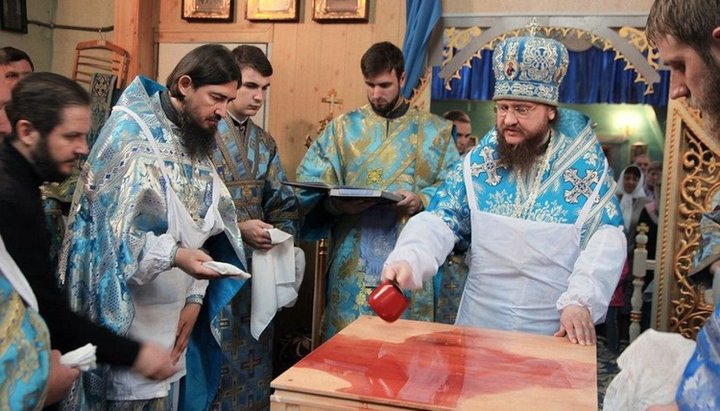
(581, 186)
(489, 166)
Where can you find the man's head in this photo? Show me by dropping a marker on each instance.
(5, 127)
(463, 128)
(50, 118)
(14, 65)
(201, 86)
(528, 72)
(256, 72)
(383, 67)
(654, 174)
(643, 162)
(687, 35)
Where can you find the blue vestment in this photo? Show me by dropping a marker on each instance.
(247, 160)
(363, 149)
(120, 197)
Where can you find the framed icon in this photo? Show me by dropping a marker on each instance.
(273, 10)
(208, 10)
(13, 16)
(341, 10)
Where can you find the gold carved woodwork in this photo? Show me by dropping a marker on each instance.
(690, 183)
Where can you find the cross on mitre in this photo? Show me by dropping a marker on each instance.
(581, 186)
(489, 166)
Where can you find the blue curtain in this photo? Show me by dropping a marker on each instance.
(421, 19)
(594, 76)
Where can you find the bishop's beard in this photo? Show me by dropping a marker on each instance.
(523, 155)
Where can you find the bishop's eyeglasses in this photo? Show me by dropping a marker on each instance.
(519, 110)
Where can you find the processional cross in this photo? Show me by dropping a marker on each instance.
(332, 100)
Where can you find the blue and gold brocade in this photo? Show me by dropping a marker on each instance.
(363, 149)
(24, 352)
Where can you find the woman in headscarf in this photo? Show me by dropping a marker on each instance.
(632, 198)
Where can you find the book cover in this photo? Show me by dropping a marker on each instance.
(346, 192)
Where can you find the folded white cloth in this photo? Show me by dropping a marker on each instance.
(226, 269)
(651, 368)
(277, 275)
(82, 358)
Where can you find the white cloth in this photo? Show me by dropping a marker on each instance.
(158, 302)
(651, 368)
(82, 358)
(12, 272)
(226, 270)
(277, 275)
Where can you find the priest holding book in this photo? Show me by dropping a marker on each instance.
(385, 145)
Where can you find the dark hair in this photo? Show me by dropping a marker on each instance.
(690, 22)
(633, 170)
(457, 115)
(252, 57)
(11, 54)
(40, 98)
(380, 58)
(210, 64)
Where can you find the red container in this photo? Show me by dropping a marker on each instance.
(388, 301)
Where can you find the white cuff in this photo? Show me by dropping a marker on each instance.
(157, 256)
(596, 272)
(424, 243)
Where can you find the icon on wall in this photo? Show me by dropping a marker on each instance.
(272, 10)
(208, 10)
(13, 16)
(340, 10)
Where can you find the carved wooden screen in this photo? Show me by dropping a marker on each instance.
(690, 183)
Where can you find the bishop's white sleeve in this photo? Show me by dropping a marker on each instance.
(157, 255)
(424, 243)
(596, 272)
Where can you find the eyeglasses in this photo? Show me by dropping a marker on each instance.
(518, 110)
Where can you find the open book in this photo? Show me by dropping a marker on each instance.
(348, 193)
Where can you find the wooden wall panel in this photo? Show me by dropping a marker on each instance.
(310, 59)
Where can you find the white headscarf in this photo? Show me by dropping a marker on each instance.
(626, 199)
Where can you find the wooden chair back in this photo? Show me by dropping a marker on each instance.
(100, 56)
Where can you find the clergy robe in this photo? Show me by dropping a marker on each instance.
(120, 205)
(363, 149)
(247, 160)
(25, 342)
(554, 192)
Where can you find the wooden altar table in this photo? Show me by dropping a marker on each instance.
(376, 365)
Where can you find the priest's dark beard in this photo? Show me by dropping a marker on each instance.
(44, 164)
(387, 109)
(196, 138)
(522, 156)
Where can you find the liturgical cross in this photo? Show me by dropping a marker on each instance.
(489, 166)
(581, 186)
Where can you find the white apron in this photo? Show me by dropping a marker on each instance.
(158, 302)
(518, 268)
